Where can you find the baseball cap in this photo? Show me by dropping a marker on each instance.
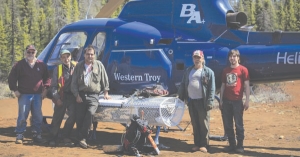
(64, 51)
(30, 47)
(198, 53)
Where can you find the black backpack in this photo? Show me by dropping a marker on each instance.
(135, 136)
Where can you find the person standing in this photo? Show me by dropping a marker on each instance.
(89, 79)
(63, 98)
(235, 80)
(197, 88)
(29, 80)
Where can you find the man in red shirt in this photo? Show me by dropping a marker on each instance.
(29, 81)
(235, 80)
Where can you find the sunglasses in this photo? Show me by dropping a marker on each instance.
(29, 52)
(196, 57)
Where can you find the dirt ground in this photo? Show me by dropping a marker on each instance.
(270, 130)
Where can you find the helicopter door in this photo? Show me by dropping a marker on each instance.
(136, 69)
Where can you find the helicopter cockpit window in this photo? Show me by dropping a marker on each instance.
(72, 41)
(99, 44)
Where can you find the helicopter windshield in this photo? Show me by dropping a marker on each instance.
(72, 41)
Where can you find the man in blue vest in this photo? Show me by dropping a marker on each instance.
(63, 98)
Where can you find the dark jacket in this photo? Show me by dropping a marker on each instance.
(29, 80)
(208, 86)
(67, 77)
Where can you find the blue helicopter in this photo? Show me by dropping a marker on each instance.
(151, 42)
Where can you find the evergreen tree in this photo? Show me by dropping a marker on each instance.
(5, 60)
(76, 12)
(67, 11)
(42, 33)
(281, 17)
(18, 48)
(241, 6)
(51, 28)
(291, 20)
(297, 14)
(25, 36)
(3, 36)
(252, 13)
(270, 22)
(259, 14)
(34, 28)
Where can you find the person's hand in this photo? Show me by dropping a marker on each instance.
(78, 99)
(106, 96)
(59, 103)
(44, 93)
(220, 104)
(246, 105)
(17, 93)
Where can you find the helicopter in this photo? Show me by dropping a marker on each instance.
(151, 42)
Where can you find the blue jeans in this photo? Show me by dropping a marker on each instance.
(233, 110)
(29, 102)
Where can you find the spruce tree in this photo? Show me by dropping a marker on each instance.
(291, 20)
(259, 16)
(75, 11)
(281, 15)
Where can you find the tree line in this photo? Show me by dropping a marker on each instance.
(270, 15)
(24, 22)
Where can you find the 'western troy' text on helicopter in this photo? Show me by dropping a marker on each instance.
(151, 43)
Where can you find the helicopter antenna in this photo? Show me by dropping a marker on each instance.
(90, 2)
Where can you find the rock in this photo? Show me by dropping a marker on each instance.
(281, 137)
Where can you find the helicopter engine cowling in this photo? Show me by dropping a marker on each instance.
(236, 20)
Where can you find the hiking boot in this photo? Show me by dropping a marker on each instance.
(38, 138)
(240, 147)
(229, 148)
(19, 139)
(239, 150)
(83, 144)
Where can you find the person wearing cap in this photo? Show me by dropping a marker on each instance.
(197, 89)
(63, 99)
(29, 80)
(89, 79)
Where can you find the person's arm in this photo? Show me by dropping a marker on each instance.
(74, 84)
(13, 79)
(182, 90)
(54, 87)
(46, 81)
(211, 91)
(221, 95)
(247, 91)
(104, 82)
